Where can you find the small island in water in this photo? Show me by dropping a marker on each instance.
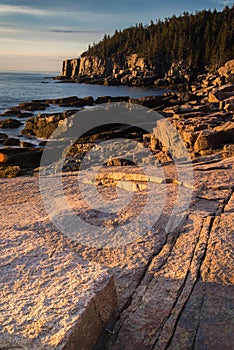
(117, 245)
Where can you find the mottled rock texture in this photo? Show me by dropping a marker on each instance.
(174, 288)
(50, 298)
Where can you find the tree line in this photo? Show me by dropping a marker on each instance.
(202, 40)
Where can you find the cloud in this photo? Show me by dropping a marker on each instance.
(70, 31)
(226, 3)
(223, 2)
(9, 30)
(15, 9)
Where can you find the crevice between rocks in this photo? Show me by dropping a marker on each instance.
(180, 293)
(195, 282)
(113, 323)
(198, 277)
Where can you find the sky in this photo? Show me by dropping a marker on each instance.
(36, 35)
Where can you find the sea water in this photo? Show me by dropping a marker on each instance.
(17, 87)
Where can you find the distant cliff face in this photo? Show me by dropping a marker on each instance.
(92, 65)
(133, 70)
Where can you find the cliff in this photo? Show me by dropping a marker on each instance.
(130, 70)
(95, 66)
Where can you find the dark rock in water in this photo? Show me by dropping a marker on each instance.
(10, 124)
(3, 137)
(119, 99)
(72, 101)
(26, 144)
(10, 113)
(24, 115)
(106, 99)
(42, 143)
(103, 99)
(17, 113)
(12, 142)
(80, 102)
(33, 106)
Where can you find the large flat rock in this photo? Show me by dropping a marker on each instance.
(174, 288)
(50, 298)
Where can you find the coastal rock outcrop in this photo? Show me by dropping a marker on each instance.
(174, 288)
(130, 70)
(134, 70)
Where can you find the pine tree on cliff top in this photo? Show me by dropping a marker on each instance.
(203, 39)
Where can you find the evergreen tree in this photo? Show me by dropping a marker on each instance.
(203, 39)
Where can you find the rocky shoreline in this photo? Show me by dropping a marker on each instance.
(203, 117)
(164, 289)
(138, 71)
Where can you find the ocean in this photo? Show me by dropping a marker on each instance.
(17, 87)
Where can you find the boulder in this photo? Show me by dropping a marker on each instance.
(17, 113)
(72, 101)
(33, 106)
(228, 151)
(43, 125)
(227, 70)
(3, 137)
(203, 141)
(10, 124)
(216, 138)
(26, 144)
(221, 93)
(9, 171)
(12, 142)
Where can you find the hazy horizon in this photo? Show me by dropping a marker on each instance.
(36, 38)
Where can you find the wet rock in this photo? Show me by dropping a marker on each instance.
(10, 113)
(107, 99)
(33, 106)
(10, 124)
(12, 142)
(3, 137)
(102, 99)
(17, 114)
(26, 144)
(24, 115)
(72, 101)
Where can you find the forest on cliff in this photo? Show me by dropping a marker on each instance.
(204, 39)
